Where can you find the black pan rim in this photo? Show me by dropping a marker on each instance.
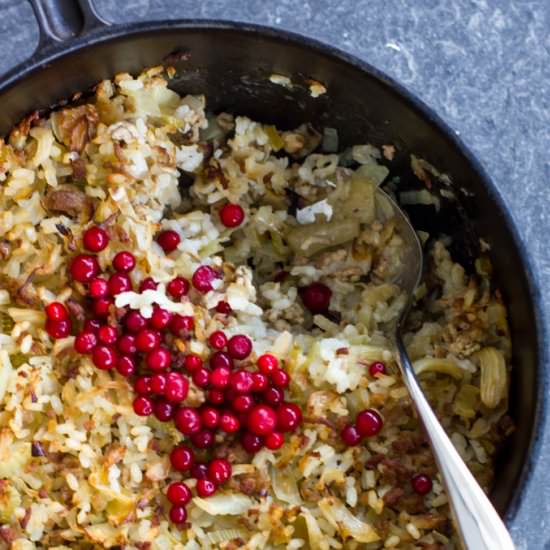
(111, 33)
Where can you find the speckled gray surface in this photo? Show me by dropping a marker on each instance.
(483, 65)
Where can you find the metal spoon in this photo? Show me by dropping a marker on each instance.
(479, 525)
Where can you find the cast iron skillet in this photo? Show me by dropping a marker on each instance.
(231, 63)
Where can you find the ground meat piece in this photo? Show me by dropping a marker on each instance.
(431, 546)
(70, 200)
(394, 471)
(407, 442)
(393, 496)
(250, 485)
(373, 461)
(412, 504)
(235, 454)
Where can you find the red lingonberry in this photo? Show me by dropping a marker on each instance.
(134, 321)
(203, 277)
(182, 458)
(199, 471)
(177, 387)
(119, 282)
(242, 403)
(267, 363)
(201, 378)
(91, 325)
(163, 410)
(158, 383)
(217, 339)
(192, 363)
(273, 396)
(178, 287)
(289, 415)
(84, 268)
(180, 325)
(210, 417)
(178, 493)
(229, 422)
(125, 365)
(369, 422)
(124, 262)
(104, 357)
(187, 420)
(160, 318)
(142, 385)
(85, 342)
(251, 443)
(215, 396)
(168, 240)
(219, 470)
(231, 215)
(107, 334)
(350, 435)
(158, 359)
(377, 368)
(178, 514)
(241, 381)
(239, 346)
(147, 340)
(421, 484)
(98, 288)
(220, 359)
(202, 439)
(259, 382)
(219, 377)
(56, 311)
(261, 420)
(127, 344)
(102, 306)
(274, 440)
(316, 297)
(143, 406)
(223, 308)
(205, 488)
(280, 378)
(147, 284)
(95, 239)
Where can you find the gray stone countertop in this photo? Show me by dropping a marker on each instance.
(483, 65)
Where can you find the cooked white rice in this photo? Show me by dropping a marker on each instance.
(78, 469)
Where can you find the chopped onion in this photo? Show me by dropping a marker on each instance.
(285, 486)
(345, 522)
(218, 505)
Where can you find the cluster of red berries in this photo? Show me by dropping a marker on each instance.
(239, 402)
(209, 477)
(368, 423)
(242, 400)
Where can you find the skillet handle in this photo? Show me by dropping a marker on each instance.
(62, 20)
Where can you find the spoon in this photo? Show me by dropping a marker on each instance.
(479, 525)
